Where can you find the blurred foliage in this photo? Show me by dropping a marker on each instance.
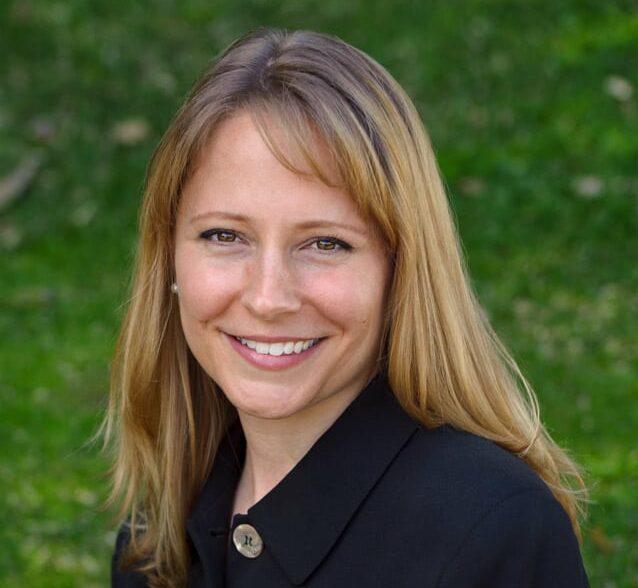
(532, 108)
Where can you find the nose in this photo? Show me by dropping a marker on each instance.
(270, 287)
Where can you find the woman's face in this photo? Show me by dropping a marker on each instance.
(282, 283)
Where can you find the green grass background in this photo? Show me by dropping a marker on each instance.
(533, 110)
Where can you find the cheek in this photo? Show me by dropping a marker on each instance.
(352, 300)
(204, 289)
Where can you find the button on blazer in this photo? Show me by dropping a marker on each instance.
(381, 501)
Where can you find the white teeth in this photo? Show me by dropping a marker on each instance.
(277, 349)
(262, 348)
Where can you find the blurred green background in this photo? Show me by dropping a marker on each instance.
(533, 110)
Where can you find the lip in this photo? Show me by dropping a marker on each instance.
(271, 362)
(269, 339)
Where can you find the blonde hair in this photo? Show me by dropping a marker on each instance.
(445, 364)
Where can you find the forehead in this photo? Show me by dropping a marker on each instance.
(291, 139)
(244, 165)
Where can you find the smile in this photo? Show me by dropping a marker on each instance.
(279, 348)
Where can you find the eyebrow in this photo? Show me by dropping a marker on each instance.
(309, 224)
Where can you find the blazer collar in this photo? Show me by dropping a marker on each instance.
(209, 522)
(303, 516)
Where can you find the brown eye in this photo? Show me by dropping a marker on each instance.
(226, 237)
(326, 244)
(219, 236)
(331, 244)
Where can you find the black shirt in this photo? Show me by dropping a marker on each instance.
(381, 501)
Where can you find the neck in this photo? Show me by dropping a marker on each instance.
(275, 446)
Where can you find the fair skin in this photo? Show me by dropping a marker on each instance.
(282, 286)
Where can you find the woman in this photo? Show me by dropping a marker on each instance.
(305, 391)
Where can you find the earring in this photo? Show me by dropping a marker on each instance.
(174, 287)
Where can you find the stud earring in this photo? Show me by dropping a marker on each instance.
(174, 287)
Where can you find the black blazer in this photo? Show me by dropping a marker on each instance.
(380, 501)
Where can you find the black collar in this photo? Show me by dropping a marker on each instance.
(318, 497)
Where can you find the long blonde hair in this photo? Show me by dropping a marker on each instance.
(445, 364)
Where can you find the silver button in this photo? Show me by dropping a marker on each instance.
(247, 541)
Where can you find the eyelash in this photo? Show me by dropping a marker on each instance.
(333, 242)
(338, 243)
(210, 233)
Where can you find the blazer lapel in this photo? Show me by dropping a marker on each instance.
(208, 525)
(303, 516)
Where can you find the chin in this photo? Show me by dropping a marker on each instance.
(270, 411)
(267, 403)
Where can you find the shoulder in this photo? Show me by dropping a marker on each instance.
(484, 512)
(524, 539)
(450, 479)
(465, 467)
